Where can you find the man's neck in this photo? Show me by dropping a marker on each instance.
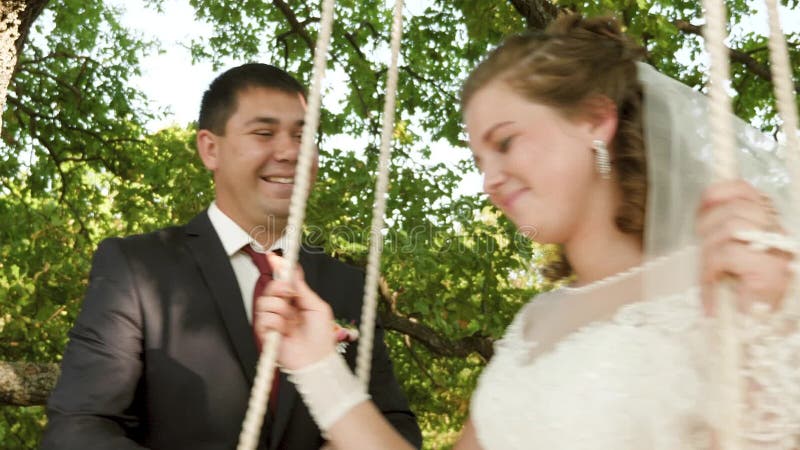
(266, 234)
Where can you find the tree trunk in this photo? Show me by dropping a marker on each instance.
(16, 19)
(537, 13)
(26, 384)
(31, 10)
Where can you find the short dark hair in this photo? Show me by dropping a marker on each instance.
(220, 100)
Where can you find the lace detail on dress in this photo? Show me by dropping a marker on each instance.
(620, 384)
(772, 372)
(640, 379)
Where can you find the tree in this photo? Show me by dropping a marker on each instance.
(77, 164)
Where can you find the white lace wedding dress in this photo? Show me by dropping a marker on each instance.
(596, 368)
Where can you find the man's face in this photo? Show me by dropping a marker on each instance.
(254, 162)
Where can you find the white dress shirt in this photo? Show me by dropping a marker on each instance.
(233, 238)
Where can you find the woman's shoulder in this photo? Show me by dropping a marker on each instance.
(539, 306)
(536, 310)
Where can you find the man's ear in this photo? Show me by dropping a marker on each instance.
(208, 149)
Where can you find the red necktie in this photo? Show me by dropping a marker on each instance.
(264, 278)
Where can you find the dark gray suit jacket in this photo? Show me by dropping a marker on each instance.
(162, 355)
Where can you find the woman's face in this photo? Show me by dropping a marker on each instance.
(538, 166)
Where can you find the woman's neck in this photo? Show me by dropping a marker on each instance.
(602, 253)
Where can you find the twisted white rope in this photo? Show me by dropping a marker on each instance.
(720, 111)
(9, 33)
(248, 439)
(730, 385)
(370, 303)
(784, 94)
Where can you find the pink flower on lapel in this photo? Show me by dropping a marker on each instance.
(344, 333)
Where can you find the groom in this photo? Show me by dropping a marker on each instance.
(162, 355)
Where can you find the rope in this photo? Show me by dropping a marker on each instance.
(722, 141)
(784, 94)
(720, 111)
(370, 303)
(248, 439)
(9, 33)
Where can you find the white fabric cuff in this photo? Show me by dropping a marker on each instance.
(328, 388)
(764, 240)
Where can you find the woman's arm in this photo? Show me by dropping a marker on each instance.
(364, 427)
(334, 396)
(468, 439)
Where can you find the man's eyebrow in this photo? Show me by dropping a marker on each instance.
(263, 120)
(266, 120)
(488, 134)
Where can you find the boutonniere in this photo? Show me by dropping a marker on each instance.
(344, 333)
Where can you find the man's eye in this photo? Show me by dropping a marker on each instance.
(264, 133)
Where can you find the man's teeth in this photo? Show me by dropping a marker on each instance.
(283, 180)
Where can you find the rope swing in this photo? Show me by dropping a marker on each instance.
(730, 402)
(370, 303)
(784, 94)
(248, 439)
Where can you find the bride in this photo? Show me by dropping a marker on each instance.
(603, 155)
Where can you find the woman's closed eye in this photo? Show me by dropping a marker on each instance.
(504, 144)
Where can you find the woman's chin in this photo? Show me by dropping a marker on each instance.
(530, 232)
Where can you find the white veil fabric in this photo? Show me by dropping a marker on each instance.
(680, 162)
(667, 354)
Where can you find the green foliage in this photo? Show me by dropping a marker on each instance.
(77, 164)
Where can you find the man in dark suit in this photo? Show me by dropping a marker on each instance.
(163, 355)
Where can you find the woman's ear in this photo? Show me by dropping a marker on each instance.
(601, 113)
(208, 149)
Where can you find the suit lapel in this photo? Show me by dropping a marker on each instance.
(287, 394)
(220, 279)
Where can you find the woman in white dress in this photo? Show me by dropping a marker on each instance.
(600, 153)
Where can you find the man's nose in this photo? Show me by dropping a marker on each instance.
(286, 148)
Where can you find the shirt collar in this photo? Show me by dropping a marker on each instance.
(233, 236)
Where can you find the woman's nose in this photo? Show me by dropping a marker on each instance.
(493, 178)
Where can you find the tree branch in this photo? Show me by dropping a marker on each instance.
(407, 69)
(407, 343)
(26, 384)
(352, 40)
(53, 154)
(70, 87)
(297, 27)
(427, 336)
(30, 12)
(537, 13)
(57, 55)
(759, 69)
